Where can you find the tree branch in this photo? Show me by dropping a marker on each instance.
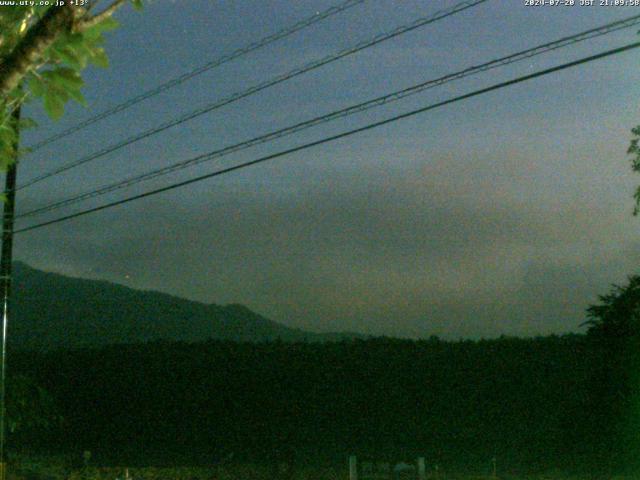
(31, 48)
(95, 19)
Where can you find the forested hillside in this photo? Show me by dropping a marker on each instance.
(531, 403)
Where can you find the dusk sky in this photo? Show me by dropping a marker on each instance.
(507, 213)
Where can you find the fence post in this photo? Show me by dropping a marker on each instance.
(353, 468)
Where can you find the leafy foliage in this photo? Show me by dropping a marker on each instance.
(618, 314)
(55, 77)
(634, 149)
(614, 329)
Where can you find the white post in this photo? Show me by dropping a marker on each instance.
(422, 471)
(353, 468)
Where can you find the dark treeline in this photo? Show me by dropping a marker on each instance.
(534, 404)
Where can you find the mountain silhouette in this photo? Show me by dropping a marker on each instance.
(50, 310)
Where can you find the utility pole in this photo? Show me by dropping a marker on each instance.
(6, 257)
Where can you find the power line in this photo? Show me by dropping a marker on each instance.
(336, 137)
(360, 107)
(439, 15)
(285, 32)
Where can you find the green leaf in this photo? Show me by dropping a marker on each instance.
(100, 58)
(37, 86)
(53, 105)
(91, 43)
(92, 34)
(7, 156)
(78, 97)
(7, 136)
(87, 50)
(69, 57)
(137, 4)
(56, 85)
(68, 78)
(26, 123)
(74, 39)
(105, 25)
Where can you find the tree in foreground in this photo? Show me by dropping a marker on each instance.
(617, 317)
(43, 50)
(634, 150)
(614, 327)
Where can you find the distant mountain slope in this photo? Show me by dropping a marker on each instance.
(52, 310)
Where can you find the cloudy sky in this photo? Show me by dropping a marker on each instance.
(503, 214)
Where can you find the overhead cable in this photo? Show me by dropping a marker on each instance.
(285, 32)
(440, 15)
(360, 107)
(333, 137)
